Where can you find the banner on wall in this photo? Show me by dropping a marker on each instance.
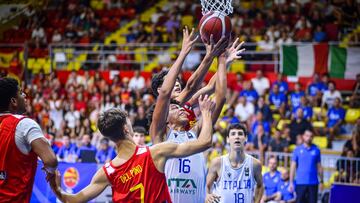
(74, 177)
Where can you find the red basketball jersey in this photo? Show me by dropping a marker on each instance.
(137, 180)
(191, 116)
(17, 170)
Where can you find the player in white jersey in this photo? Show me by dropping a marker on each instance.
(186, 177)
(234, 176)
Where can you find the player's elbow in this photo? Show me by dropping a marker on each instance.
(50, 160)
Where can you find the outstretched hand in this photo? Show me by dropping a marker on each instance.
(233, 52)
(188, 40)
(206, 104)
(218, 48)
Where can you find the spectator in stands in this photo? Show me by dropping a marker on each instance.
(261, 84)
(306, 161)
(70, 34)
(259, 121)
(137, 82)
(282, 84)
(56, 110)
(298, 126)
(56, 37)
(330, 95)
(266, 44)
(335, 118)
(38, 33)
(295, 97)
(51, 138)
(306, 108)
(284, 195)
(278, 99)
(278, 143)
(67, 152)
(315, 88)
(72, 116)
(139, 135)
(249, 93)
(354, 143)
(285, 39)
(319, 34)
(230, 117)
(140, 118)
(271, 181)
(264, 109)
(85, 146)
(355, 97)
(105, 152)
(244, 109)
(193, 59)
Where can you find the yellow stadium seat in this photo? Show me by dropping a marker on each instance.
(187, 21)
(47, 66)
(141, 54)
(292, 147)
(237, 66)
(265, 169)
(31, 62)
(320, 141)
(276, 116)
(352, 115)
(318, 124)
(282, 123)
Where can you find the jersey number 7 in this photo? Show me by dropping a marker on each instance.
(142, 191)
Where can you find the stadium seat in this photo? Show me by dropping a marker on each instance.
(237, 66)
(187, 20)
(352, 115)
(320, 141)
(282, 123)
(318, 124)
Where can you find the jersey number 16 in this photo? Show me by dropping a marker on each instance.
(184, 166)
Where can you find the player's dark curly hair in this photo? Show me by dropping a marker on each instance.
(150, 111)
(238, 126)
(111, 124)
(9, 88)
(157, 81)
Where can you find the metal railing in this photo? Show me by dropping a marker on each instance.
(337, 169)
(141, 54)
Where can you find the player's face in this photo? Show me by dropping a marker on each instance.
(139, 138)
(237, 139)
(176, 90)
(177, 115)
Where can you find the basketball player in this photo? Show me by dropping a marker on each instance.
(182, 96)
(137, 173)
(21, 142)
(186, 176)
(236, 174)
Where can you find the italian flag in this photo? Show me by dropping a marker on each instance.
(305, 60)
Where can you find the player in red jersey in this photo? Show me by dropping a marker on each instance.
(21, 142)
(137, 173)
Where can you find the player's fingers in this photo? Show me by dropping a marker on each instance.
(212, 40)
(200, 98)
(186, 31)
(235, 42)
(238, 47)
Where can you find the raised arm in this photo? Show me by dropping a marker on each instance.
(195, 80)
(233, 52)
(158, 124)
(98, 183)
(161, 152)
(259, 190)
(208, 89)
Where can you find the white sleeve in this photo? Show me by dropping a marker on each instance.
(27, 130)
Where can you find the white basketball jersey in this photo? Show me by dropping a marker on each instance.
(186, 177)
(236, 184)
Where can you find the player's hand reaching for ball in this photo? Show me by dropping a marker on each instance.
(212, 198)
(188, 40)
(206, 105)
(233, 52)
(215, 50)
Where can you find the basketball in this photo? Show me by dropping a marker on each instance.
(214, 23)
